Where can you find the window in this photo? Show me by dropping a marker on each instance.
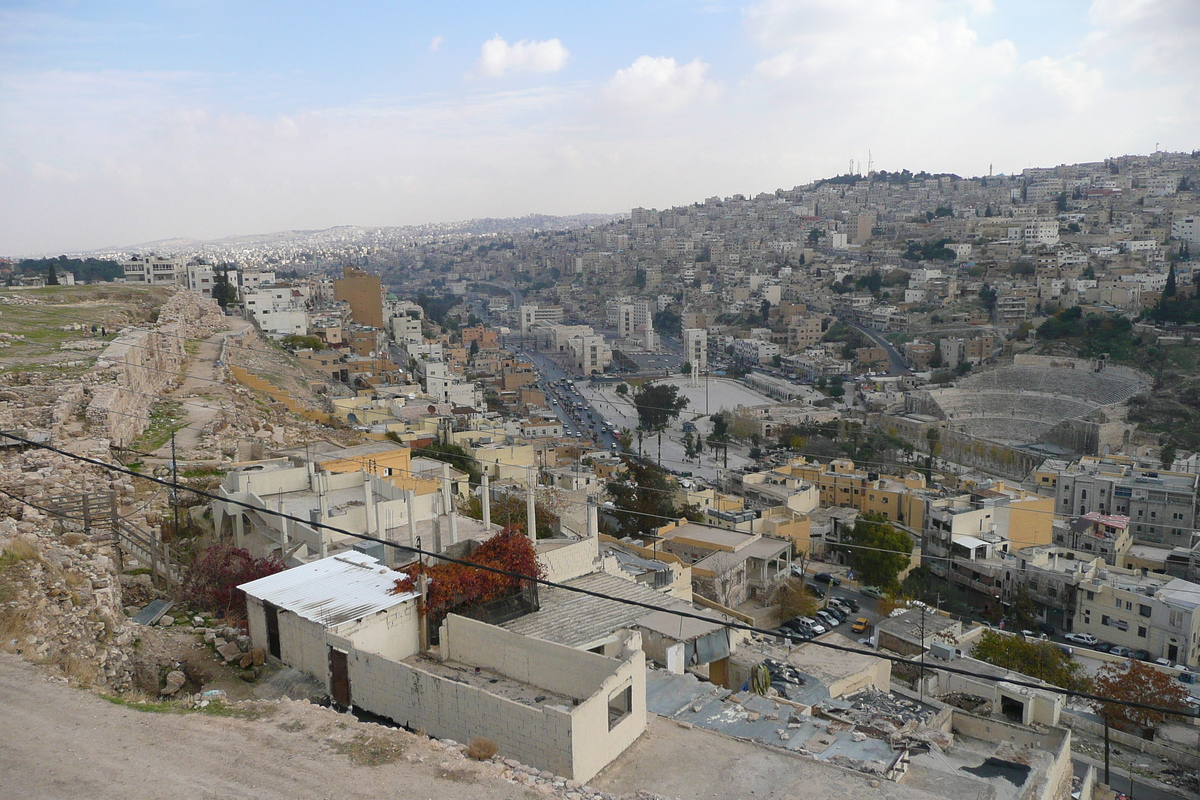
(1104, 619)
(620, 704)
(1142, 631)
(1144, 610)
(1091, 595)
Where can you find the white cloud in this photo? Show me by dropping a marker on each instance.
(874, 44)
(661, 85)
(436, 42)
(497, 57)
(1154, 35)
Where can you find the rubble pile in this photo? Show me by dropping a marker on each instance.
(60, 604)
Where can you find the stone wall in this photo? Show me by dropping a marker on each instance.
(140, 365)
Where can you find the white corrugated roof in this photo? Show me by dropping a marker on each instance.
(332, 590)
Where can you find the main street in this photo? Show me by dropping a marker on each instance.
(896, 363)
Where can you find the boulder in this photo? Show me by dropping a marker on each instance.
(229, 651)
(174, 682)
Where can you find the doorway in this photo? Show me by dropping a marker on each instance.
(339, 677)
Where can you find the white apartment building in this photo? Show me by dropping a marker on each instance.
(1186, 229)
(754, 351)
(1142, 612)
(1040, 231)
(695, 349)
(156, 270)
(278, 309)
(406, 329)
(446, 387)
(533, 314)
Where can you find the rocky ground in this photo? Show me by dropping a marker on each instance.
(58, 742)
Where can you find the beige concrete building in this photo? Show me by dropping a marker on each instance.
(364, 293)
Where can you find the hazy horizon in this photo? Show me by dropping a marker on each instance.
(141, 121)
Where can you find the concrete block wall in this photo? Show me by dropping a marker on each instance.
(393, 633)
(556, 667)
(410, 696)
(571, 561)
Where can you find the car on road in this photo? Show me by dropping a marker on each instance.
(825, 577)
(849, 602)
(814, 590)
(872, 591)
(1120, 651)
(860, 625)
(1082, 638)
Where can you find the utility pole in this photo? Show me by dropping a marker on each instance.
(174, 484)
(921, 675)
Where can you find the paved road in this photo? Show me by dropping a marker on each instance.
(896, 364)
(1120, 781)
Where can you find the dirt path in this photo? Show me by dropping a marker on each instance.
(58, 742)
(201, 379)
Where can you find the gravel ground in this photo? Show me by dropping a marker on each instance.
(59, 742)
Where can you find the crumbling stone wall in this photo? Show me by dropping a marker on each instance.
(140, 365)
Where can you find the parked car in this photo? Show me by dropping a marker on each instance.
(872, 591)
(1162, 662)
(1143, 655)
(1122, 652)
(1103, 647)
(860, 625)
(837, 613)
(816, 627)
(850, 603)
(1082, 638)
(814, 590)
(828, 619)
(825, 577)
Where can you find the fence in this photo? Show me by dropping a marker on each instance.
(94, 510)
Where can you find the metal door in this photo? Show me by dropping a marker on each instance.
(339, 677)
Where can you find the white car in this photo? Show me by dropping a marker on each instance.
(1082, 638)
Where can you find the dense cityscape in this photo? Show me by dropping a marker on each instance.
(791, 456)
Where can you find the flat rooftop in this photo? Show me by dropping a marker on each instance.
(576, 620)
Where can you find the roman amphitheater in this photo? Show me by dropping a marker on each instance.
(1075, 404)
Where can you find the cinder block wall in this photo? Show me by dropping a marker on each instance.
(571, 561)
(540, 737)
(561, 669)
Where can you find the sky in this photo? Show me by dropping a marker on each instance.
(127, 121)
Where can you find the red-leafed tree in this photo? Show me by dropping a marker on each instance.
(1138, 682)
(453, 586)
(212, 580)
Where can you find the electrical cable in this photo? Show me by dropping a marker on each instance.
(734, 624)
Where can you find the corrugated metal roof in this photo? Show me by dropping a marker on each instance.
(332, 590)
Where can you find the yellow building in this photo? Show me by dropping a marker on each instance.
(386, 460)
(364, 293)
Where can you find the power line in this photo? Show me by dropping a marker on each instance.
(733, 624)
(187, 375)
